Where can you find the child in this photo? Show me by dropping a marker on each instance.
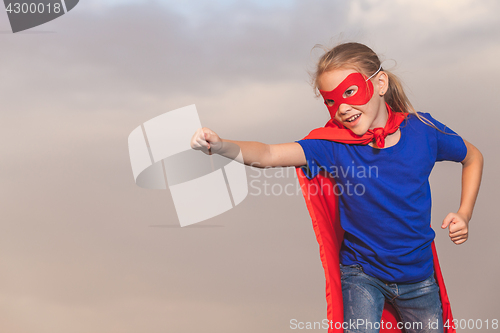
(376, 145)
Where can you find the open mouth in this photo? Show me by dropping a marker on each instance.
(353, 118)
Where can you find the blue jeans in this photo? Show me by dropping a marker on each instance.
(418, 304)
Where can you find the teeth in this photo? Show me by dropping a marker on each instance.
(354, 117)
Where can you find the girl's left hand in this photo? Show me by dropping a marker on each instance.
(459, 227)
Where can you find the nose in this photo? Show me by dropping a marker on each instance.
(344, 108)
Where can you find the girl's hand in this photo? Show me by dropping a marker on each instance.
(459, 227)
(206, 140)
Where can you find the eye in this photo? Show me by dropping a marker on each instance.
(329, 102)
(350, 91)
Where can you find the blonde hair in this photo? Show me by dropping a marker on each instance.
(362, 59)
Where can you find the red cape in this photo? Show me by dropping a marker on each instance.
(323, 210)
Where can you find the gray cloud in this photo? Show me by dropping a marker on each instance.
(84, 249)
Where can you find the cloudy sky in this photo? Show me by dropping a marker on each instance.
(84, 249)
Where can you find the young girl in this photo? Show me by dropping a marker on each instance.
(379, 154)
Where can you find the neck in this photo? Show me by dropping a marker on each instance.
(382, 116)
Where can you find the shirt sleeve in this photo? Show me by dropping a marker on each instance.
(450, 146)
(316, 156)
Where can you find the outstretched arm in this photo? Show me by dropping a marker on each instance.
(253, 153)
(472, 171)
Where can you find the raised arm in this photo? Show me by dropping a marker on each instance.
(253, 153)
(472, 171)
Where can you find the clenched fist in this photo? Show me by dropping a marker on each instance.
(206, 140)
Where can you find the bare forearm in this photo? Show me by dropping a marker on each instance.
(471, 179)
(253, 153)
(262, 155)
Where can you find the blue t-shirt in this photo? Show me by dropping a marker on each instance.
(385, 197)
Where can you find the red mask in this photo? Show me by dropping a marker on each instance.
(361, 97)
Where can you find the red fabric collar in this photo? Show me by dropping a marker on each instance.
(334, 131)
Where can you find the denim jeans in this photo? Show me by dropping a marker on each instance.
(418, 304)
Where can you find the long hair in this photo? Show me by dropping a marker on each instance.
(362, 59)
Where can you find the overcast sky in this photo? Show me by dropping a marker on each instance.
(84, 249)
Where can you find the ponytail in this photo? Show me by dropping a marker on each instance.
(399, 102)
(362, 59)
(396, 97)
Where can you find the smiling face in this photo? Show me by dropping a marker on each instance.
(343, 89)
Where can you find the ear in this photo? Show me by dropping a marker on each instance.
(382, 83)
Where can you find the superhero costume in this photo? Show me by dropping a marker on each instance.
(323, 208)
